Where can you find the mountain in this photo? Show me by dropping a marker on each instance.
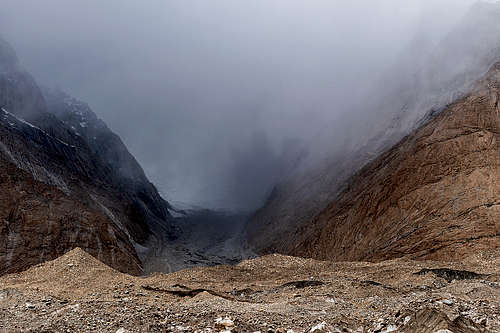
(412, 94)
(434, 195)
(68, 181)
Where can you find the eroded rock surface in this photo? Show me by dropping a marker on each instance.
(433, 167)
(435, 195)
(269, 294)
(67, 181)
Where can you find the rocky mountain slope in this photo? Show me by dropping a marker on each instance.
(450, 72)
(68, 181)
(274, 293)
(434, 195)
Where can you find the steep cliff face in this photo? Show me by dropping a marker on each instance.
(435, 195)
(114, 164)
(40, 222)
(67, 180)
(411, 93)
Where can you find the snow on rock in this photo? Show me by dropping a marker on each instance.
(20, 120)
(176, 214)
(38, 172)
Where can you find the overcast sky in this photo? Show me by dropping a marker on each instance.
(209, 95)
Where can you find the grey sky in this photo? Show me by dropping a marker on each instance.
(207, 94)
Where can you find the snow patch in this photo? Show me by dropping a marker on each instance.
(34, 127)
(176, 214)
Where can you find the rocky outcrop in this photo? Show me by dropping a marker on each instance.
(68, 181)
(40, 222)
(435, 195)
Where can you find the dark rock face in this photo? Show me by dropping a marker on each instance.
(67, 181)
(113, 162)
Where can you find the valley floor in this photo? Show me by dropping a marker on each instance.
(77, 293)
(200, 238)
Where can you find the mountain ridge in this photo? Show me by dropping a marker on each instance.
(61, 150)
(432, 196)
(401, 108)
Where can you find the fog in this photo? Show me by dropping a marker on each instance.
(216, 98)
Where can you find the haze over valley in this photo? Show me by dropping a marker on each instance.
(215, 99)
(250, 166)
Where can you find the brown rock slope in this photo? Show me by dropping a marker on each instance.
(435, 195)
(418, 82)
(40, 222)
(77, 293)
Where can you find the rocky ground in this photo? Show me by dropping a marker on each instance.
(202, 238)
(77, 293)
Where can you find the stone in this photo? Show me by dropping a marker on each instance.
(319, 328)
(448, 302)
(30, 306)
(225, 323)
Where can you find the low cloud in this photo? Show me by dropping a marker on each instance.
(216, 98)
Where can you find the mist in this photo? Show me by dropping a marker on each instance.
(216, 99)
